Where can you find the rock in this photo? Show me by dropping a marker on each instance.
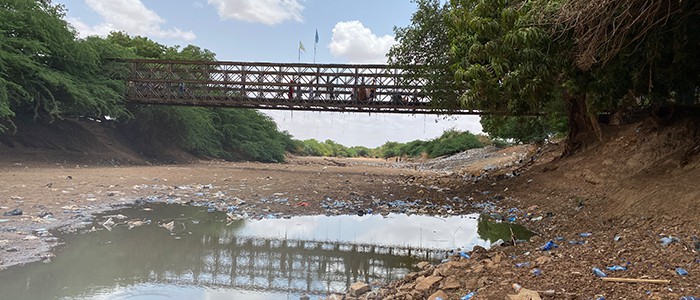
(335, 297)
(14, 212)
(438, 294)
(358, 288)
(410, 276)
(524, 294)
(450, 283)
(423, 265)
(427, 283)
(470, 285)
(542, 260)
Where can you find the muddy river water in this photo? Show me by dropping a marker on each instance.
(161, 251)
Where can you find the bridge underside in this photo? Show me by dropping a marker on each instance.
(311, 87)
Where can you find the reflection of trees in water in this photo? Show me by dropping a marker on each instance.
(492, 231)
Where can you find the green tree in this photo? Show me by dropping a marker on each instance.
(45, 72)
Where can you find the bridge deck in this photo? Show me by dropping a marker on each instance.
(287, 86)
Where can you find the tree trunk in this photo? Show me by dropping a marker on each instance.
(583, 129)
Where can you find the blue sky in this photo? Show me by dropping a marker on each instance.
(350, 31)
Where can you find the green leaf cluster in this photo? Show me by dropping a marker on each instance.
(46, 72)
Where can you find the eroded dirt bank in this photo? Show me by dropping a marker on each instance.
(629, 192)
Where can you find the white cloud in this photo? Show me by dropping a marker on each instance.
(269, 12)
(131, 16)
(356, 43)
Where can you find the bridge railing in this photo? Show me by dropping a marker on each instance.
(329, 87)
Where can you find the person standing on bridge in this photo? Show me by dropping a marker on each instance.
(291, 89)
(373, 90)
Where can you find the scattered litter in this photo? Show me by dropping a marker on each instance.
(665, 241)
(617, 268)
(586, 234)
(14, 212)
(681, 271)
(536, 272)
(599, 273)
(549, 246)
(468, 296)
(108, 224)
(464, 254)
(302, 203)
(524, 264)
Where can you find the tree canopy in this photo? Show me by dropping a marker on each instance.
(565, 58)
(46, 72)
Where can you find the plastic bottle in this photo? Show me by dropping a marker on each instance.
(617, 268)
(468, 296)
(548, 246)
(599, 273)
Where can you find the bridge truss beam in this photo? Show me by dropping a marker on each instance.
(280, 86)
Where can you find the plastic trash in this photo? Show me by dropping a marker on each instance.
(586, 234)
(689, 298)
(517, 287)
(536, 272)
(464, 254)
(14, 212)
(559, 238)
(512, 219)
(468, 296)
(500, 242)
(681, 271)
(617, 268)
(548, 246)
(599, 297)
(599, 273)
(524, 264)
(665, 241)
(617, 238)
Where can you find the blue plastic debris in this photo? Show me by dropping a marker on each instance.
(536, 272)
(524, 264)
(468, 296)
(464, 254)
(665, 241)
(681, 271)
(599, 273)
(512, 219)
(689, 298)
(548, 246)
(586, 234)
(559, 238)
(617, 268)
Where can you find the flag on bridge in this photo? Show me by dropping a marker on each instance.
(315, 44)
(301, 48)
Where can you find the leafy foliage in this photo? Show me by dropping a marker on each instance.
(47, 73)
(557, 57)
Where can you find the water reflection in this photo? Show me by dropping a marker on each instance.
(202, 256)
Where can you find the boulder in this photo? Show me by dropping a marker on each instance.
(427, 283)
(358, 288)
(524, 294)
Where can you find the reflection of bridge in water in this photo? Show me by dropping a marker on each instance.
(297, 266)
(286, 86)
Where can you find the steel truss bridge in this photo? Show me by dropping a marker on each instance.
(280, 86)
